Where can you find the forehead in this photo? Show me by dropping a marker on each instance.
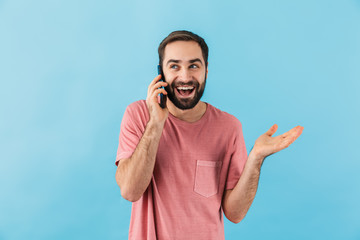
(183, 50)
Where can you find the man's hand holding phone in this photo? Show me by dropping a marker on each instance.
(157, 113)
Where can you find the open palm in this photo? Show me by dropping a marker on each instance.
(266, 145)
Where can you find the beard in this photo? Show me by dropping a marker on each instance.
(185, 103)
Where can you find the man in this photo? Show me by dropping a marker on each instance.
(182, 166)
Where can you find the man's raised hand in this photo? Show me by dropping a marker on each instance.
(266, 145)
(157, 114)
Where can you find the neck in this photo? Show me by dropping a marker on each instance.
(188, 115)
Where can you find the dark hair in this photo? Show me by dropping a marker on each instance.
(183, 36)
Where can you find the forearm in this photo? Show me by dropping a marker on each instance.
(133, 174)
(238, 201)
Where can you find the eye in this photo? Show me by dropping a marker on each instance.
(193, 66)
(174, 66)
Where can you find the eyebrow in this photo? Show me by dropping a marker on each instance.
(190, 61)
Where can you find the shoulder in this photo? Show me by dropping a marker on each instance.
(223, 117)
(139, 105)
(138, 111)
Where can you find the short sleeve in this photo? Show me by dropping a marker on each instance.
(131, 131)
(238, 158)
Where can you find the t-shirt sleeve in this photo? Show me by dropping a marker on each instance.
(238, 157)
(130, 134)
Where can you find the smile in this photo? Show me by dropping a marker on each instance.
(185, 91)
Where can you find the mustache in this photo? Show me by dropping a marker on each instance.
(190, 83)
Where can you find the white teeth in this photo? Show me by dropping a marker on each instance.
(185, 88)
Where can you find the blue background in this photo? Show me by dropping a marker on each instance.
(68, 69)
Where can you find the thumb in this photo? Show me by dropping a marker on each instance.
(272, 130)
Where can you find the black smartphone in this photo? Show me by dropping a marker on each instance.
(162, 96)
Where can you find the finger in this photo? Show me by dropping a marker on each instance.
(154, 81)
(284, 144)
(287, 142)
(290, 138)
(272, 130)
(157, 78)
(300, 130)
(157, 92)
(158, 85)
(153, 100)
(296, 132)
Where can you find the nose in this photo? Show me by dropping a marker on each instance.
(185, 75)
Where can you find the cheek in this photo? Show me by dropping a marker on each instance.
(169, 77)
(169, 82)
(201, 75)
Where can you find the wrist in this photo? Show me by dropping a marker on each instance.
(255, 158)
(155, 125)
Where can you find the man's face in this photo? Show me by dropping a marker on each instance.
(185, 72)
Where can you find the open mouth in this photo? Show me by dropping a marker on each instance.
(185, 91)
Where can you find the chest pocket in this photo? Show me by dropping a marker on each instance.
(207, 177)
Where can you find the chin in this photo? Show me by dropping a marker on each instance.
(185, 106)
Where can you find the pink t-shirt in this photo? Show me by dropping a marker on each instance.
(195, 163)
